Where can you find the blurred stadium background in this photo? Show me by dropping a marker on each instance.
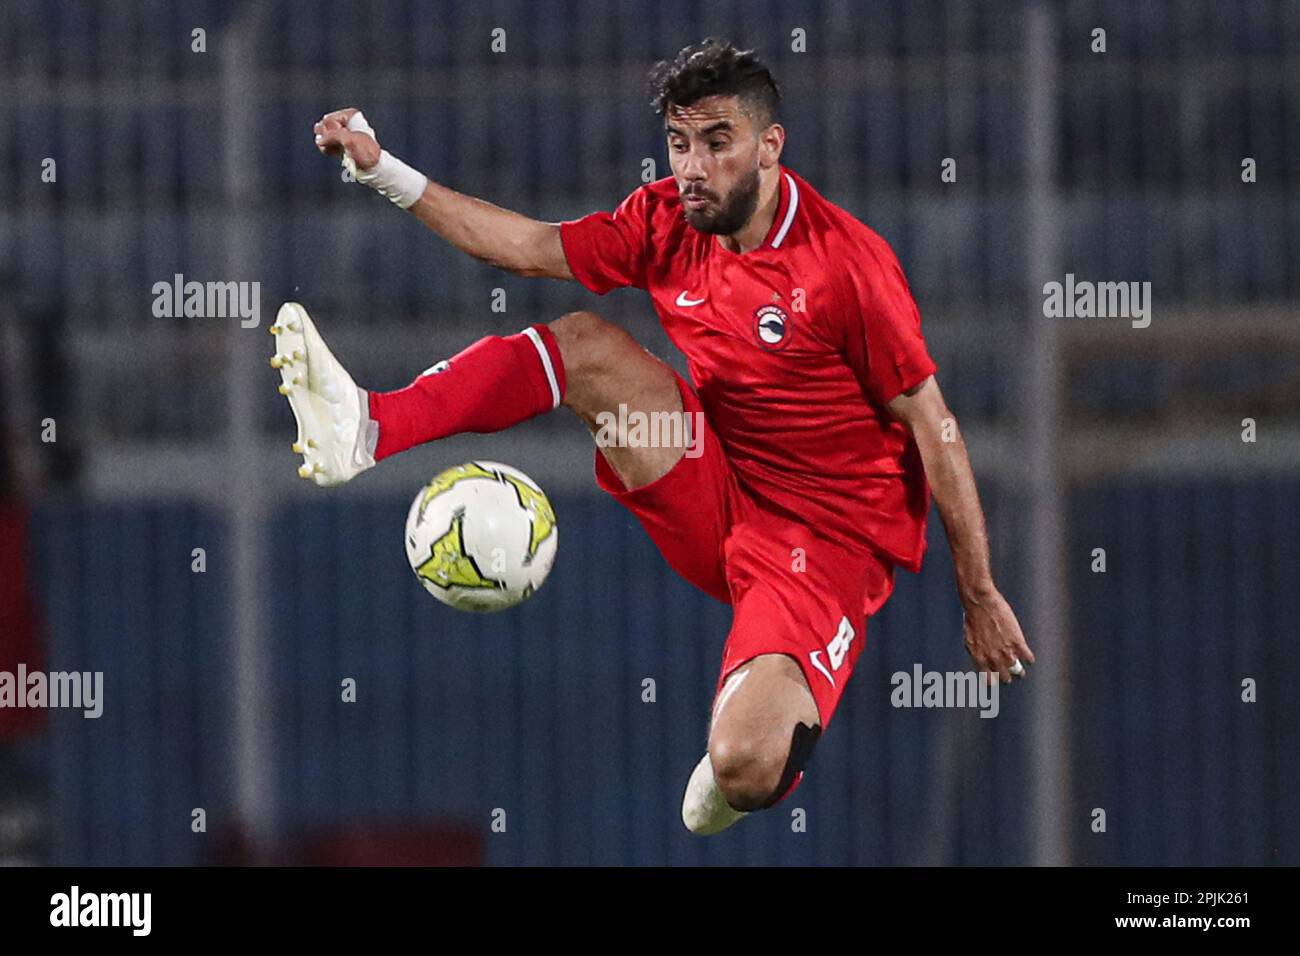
(222, 688)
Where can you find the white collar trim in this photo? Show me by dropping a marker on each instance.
(789, 213)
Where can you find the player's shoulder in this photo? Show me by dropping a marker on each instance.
(842, 237)
(656, 207)
(662, 191)
(857, 261)
(655, 198)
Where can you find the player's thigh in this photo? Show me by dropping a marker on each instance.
(629, 399)
(798, 594)
(682, 497)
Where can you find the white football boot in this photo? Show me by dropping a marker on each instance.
(704, 809)
(336, 437)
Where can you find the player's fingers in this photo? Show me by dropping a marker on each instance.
(340, 116)
(1000, 663)
(324, 125)
(336, 138)
(362, 148)
(1011, 664)
(1021, 653)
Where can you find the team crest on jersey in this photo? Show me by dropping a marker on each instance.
(772, 328)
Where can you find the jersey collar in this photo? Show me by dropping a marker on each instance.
(787, 207)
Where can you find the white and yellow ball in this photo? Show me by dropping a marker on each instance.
(481, 536)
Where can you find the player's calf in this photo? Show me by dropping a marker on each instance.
(579, 360)
(497, 382)
(753, 776)
(765, 726)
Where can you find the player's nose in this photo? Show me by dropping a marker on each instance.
(693, 181)
(692, 166)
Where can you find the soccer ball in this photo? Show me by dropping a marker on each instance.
(481, 536)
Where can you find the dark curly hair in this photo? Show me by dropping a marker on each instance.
(715, 68)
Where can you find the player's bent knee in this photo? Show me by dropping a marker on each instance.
(573, 326)
(584, 339)
(751, 776)
(604, 365)
(588, 348)
(744, 772)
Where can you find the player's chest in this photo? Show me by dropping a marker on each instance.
(737, 310)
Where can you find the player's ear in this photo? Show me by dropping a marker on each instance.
(771, 142)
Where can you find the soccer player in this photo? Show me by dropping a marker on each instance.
(821, 416)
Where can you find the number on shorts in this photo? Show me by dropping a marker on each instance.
(838, 649)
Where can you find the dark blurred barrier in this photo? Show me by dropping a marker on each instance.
(538, 712)
(1152, 135)
(1200, 595)
(391, 845)
(119, 597)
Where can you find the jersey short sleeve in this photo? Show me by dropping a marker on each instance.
(608, 250)
(882, 334)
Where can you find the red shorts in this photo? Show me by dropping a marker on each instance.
(791, 591)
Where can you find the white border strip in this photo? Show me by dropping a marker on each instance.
(546, 364)
(789, 213)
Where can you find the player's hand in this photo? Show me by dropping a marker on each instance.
(333, 138)
(994, 638)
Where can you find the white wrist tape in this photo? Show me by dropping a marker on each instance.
(390, 177)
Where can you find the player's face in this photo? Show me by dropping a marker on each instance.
(713, 149)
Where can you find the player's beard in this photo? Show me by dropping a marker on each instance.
(730, 215)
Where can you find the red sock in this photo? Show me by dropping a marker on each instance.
(495, 383)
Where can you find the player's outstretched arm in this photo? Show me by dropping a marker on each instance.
(993, 635)
(497, 236)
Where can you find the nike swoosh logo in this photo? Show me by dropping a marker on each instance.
(816, 662)
(686, 303)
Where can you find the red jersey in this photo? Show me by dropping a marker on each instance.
(794, 348)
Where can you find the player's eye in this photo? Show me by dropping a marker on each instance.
(718, 144)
